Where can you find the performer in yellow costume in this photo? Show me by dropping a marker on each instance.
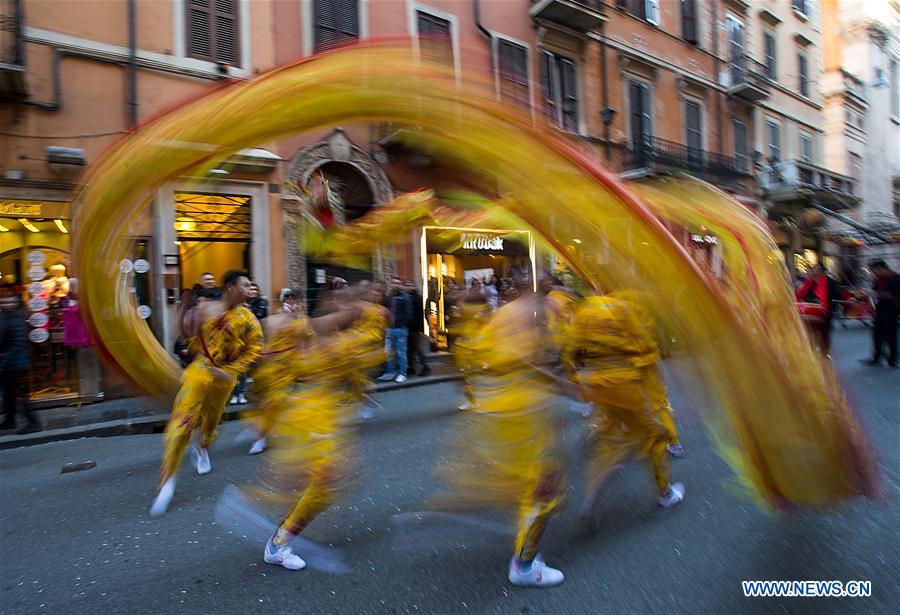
(226, 339)
(474, 311)
(273, 377)
(613, 360)
(313, 452)
(505, 455)
(656, 386)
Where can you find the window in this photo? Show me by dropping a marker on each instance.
(799, 6)
(644, 9)
(641, 120)
(770, 53)
(742, 159)
(434, 39)
(560, 91)
(212, 31)
(689, 21)
(693, 122)
(735, 48)
(773, 132)
(806, 147)
(803, 73)
(895, 89)
(854, 161)
(512, 67)
(334, 22)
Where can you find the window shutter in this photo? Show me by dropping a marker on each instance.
(689, 21)
(569, 97)
(804, 75)
(434, 39)
(548, 79)
(652, 11)
(212, 31)
(335, 22)
(771, 63)
(740, 145)
(513, 69)
(226, 32)
(199, 30)
(694, 129)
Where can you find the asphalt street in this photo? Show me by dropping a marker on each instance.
(82, 542)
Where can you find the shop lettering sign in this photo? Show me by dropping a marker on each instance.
(20, 209)
(482, 242)
(704, 239)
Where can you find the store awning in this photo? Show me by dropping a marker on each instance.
(860, 231)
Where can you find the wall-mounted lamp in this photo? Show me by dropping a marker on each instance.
(607, 114)
(62, 227)
(756, 156)
(3, 229)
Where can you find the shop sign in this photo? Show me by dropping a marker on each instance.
(141, 266)
(20, 209)
(36, 304)
(144, 311)
(126, 266)
(35, 288)
(482, 242)
(707, 239)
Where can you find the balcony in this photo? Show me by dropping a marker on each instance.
(795, 180)
(12, 50)
(656, 154)
(579, 15)
(747, 79)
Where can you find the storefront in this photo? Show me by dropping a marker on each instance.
(454, 259)
(35, 246)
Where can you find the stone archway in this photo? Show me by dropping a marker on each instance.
(335, 155)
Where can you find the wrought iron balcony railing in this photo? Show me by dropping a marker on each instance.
(12, 49)
(580, 15)
(747, 78)
(656, 153)
(11, 45)
(786, 179)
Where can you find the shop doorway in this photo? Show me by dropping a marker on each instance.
(455, 260)
(213, 233)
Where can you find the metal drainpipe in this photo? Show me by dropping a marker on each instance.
(132, 64)
(486, 32)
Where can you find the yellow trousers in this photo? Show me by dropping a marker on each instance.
(628, 427)
(656, 388)
(200, 402)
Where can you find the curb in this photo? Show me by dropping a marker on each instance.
(156, 423)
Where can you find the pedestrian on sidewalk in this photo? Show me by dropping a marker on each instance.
(14, 359)
(228, 339)
(886, 288)
(819, 290)
(400, 306)
(414, 352)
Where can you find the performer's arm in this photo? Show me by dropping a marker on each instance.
(251, 349)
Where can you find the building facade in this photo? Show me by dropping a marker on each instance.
(862, 110)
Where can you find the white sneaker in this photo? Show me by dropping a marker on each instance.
(366, 413)
(539, 575)
(233, 401)
(258, 446)
(673, 496)
(283, 556)
(386, 377)
(163, 498)
(466, 405)
(676, 450)
(400, 378)
(241, 399)
(201, 460)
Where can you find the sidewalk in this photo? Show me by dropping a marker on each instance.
(132, 415)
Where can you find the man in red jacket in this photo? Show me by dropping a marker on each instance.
(819, 288)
